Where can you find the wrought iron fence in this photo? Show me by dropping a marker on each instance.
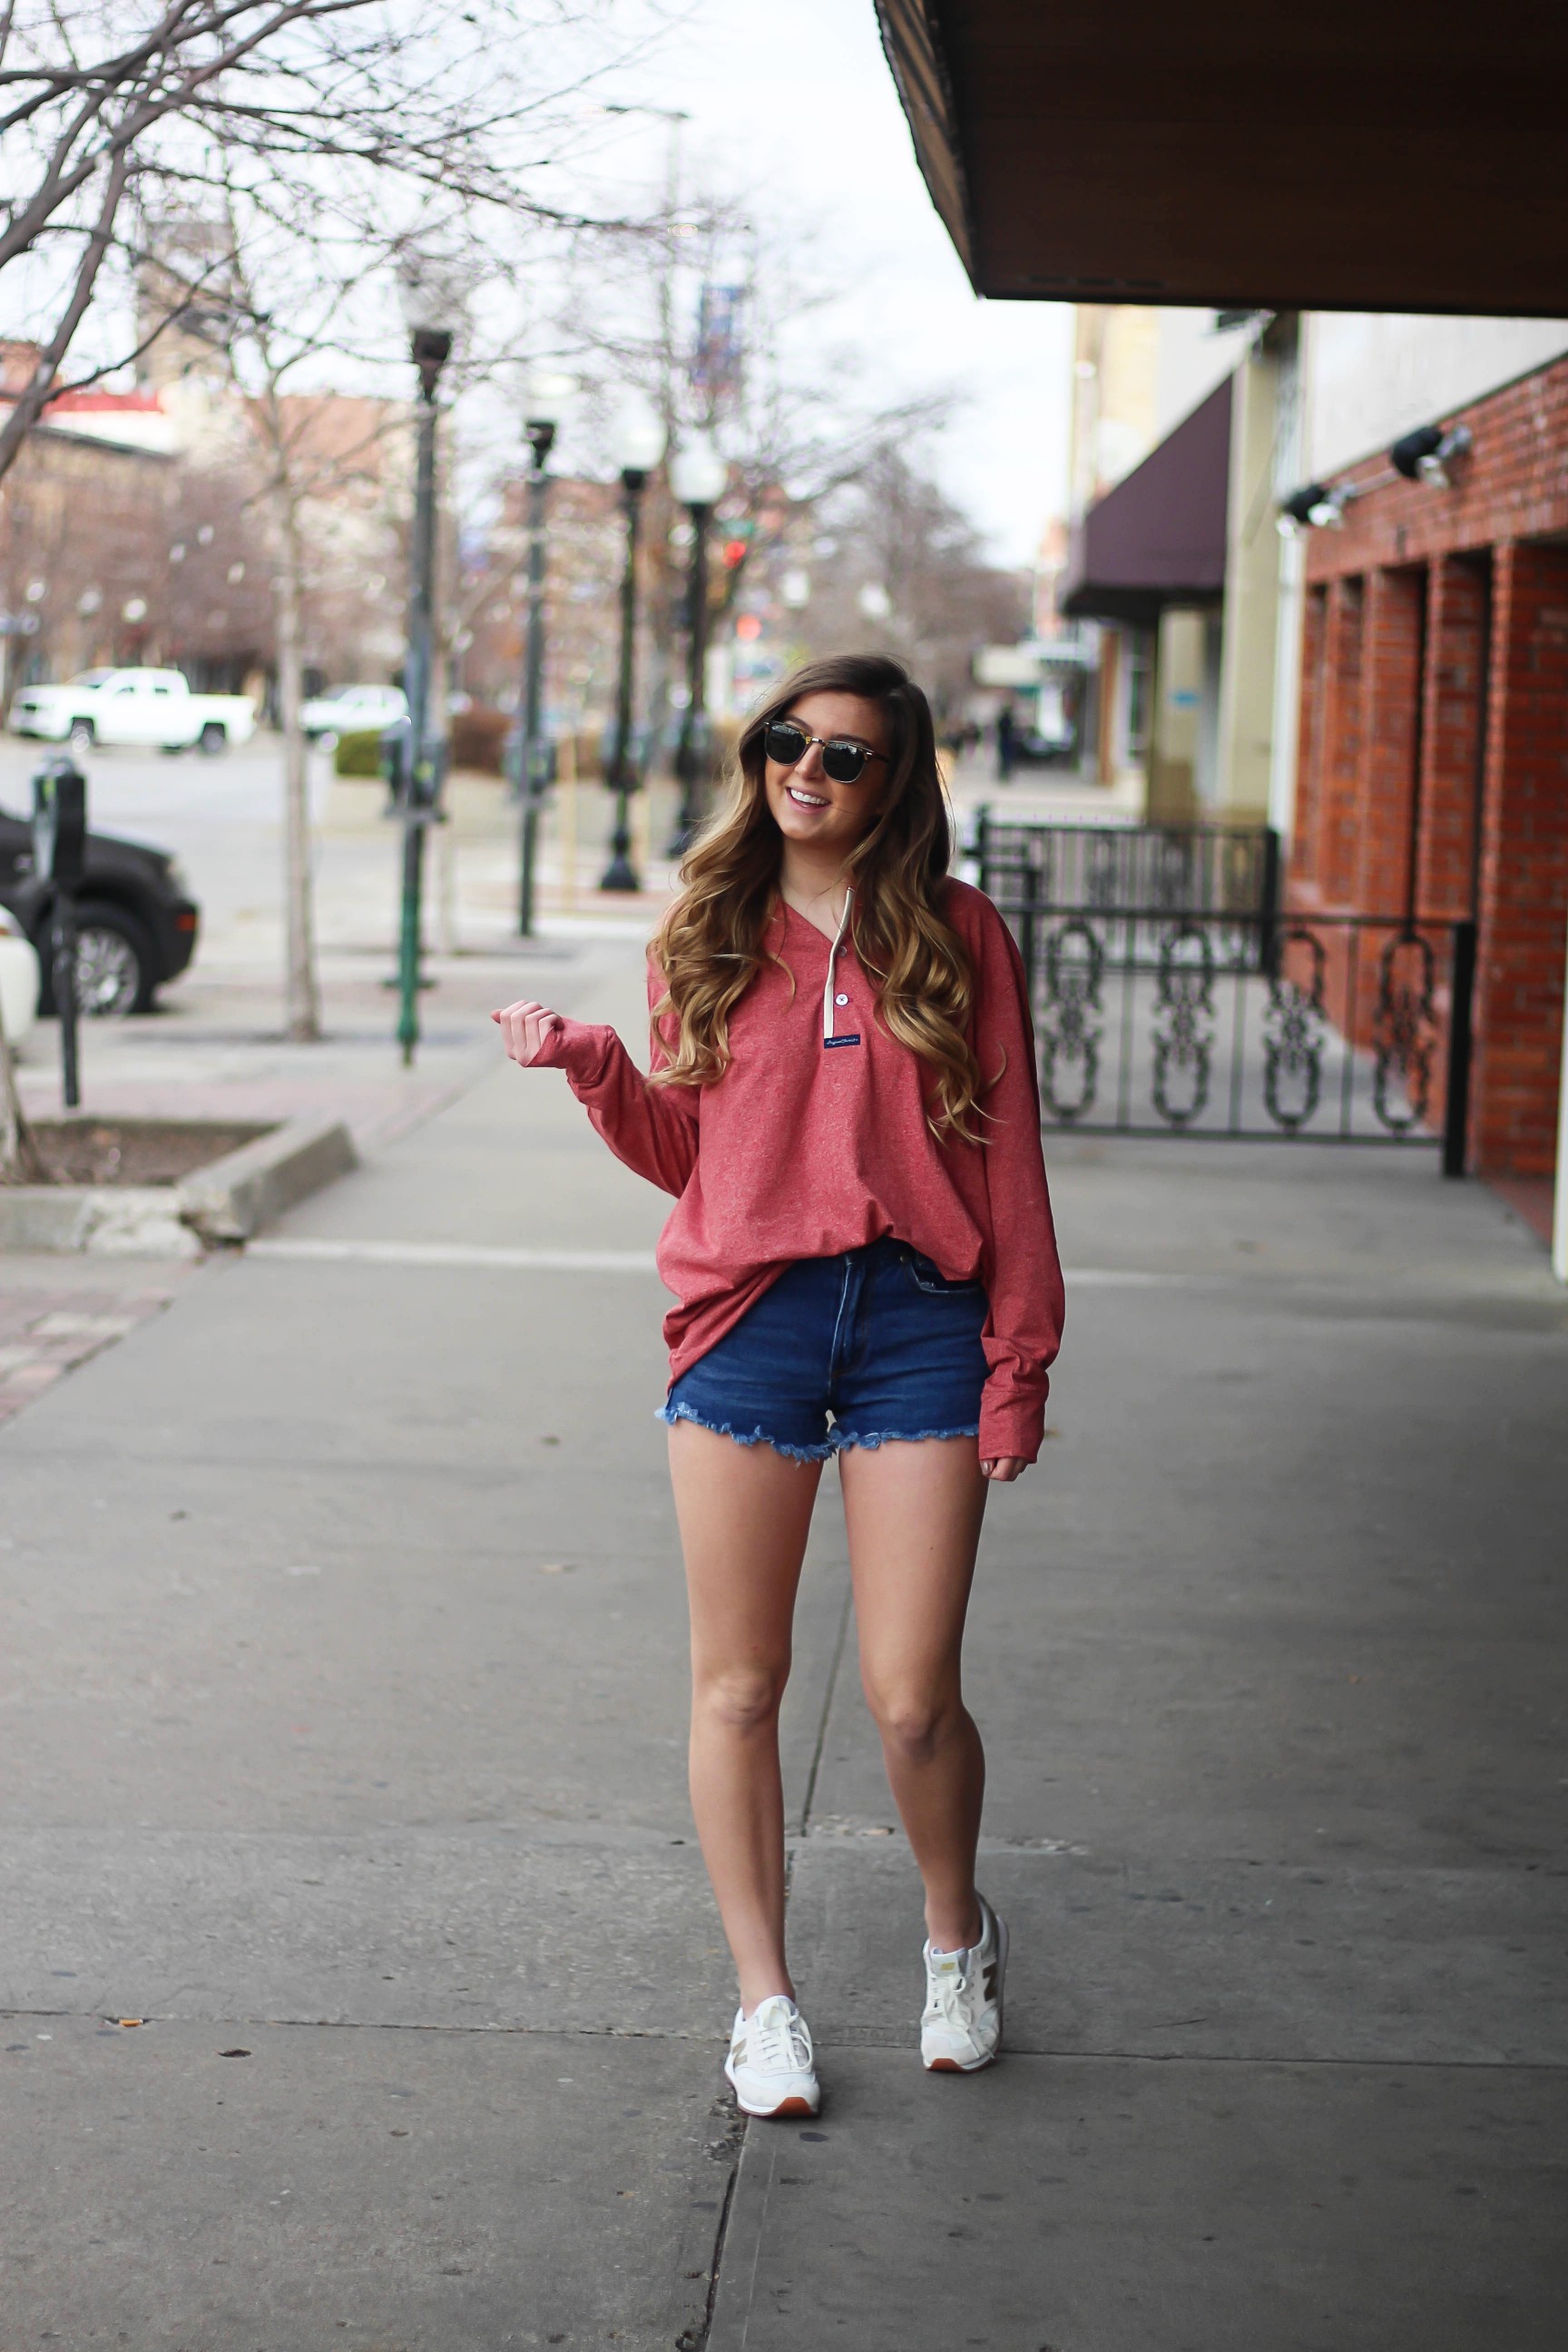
(1345, 1029)
(1197, 869)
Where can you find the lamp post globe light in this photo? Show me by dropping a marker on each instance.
(640, 446)
(697, 476)
(432, 304)
(546, 397)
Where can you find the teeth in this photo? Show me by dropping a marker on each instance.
(807, 800)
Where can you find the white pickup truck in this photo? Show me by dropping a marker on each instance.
(151, 708)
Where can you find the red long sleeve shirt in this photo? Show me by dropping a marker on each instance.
(810, 1145)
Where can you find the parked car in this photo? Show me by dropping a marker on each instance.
(136, 920)
(353, 710)
(18, 979)
(153, 708)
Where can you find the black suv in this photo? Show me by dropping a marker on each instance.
(136, 922)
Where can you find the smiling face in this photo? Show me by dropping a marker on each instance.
(809, 809)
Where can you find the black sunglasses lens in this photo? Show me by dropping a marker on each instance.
(843, 761)
(785, 744)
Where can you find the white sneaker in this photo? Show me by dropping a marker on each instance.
(961, 2030)
(771, 2063)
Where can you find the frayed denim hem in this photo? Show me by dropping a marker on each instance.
(903, 1437)
(674, 1413)
(834, 1443)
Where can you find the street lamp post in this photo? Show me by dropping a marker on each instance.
(544, 398)
(429, 311)
(697, 478)
(642, 447)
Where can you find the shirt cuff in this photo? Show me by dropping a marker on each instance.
(581, 1048)
(1011, 1425)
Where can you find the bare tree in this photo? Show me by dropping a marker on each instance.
(82, 96)
(728, 332)
(110, 108)
(903, 570)
(255, 167)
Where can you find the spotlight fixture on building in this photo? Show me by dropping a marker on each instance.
(1425, 455)
(1226, 322)
(1316, 506)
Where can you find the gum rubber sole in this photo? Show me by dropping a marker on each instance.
(773, 2115)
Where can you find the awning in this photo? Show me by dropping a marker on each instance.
(1159, 537)
(1356, 155)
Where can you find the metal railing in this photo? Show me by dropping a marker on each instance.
(1198, 869)
(1342, 1029)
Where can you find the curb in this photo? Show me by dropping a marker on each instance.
(226, 1202)
(238, 1195)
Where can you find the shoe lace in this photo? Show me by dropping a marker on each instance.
(946, 1995)
(780, 2042)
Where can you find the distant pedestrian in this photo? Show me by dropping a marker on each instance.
(843, 1102)
(1006, 743)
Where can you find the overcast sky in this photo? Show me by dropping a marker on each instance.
(792, 104)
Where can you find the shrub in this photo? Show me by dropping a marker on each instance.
(358, 754)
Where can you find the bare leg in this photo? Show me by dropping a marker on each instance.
(913, 1512)
(744, 1514)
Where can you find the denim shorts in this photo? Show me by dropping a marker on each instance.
(851, 1350)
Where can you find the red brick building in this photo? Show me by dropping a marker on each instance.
(1431, 768)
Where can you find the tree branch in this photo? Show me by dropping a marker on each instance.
(30, 403)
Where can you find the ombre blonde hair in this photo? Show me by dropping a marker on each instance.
(711, 944)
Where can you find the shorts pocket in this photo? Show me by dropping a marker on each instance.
(934, 1283)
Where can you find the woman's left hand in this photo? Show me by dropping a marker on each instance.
(1004, 1469)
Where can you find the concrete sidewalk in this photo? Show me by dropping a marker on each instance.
(343, 1744)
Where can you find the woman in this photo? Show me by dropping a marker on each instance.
(843, 1101)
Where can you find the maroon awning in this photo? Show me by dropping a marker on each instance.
(1158, 537)
(1359, 154)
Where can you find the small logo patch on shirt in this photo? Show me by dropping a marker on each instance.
(839, 1041)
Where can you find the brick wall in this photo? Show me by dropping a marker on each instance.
(1340, 785)
(1391, 654)
(1435, 691)
(1524, 870)
(1308, 832)
(1512, 485)
(1457, 680)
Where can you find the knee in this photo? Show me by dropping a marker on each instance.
(741, 1698)
(914, 1722)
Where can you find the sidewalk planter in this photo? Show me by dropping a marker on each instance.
(210, 1184)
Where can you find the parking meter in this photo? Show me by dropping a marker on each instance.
(60, 823)
(431, 777)
(396, 758)
(59, 856)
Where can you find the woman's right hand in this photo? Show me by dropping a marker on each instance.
(525, 1026)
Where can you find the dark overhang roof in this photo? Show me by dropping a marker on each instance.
(1159, 537)
(1359, 154)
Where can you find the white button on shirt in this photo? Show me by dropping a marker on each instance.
(841, 999)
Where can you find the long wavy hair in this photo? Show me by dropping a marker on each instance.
(713, 941)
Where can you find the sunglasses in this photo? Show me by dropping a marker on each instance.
(788, 744)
